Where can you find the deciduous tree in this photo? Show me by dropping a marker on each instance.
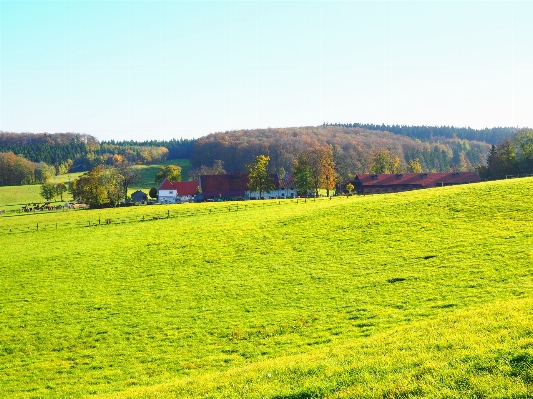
(170, 172)
(414, 166)
(153, 193)
(322, 167)
(258, 177)
(48, 191)
(385, 162)
(60, 188)
(302, 175)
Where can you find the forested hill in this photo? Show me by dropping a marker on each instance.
(48, 148)
(492, 135)
(177, 149)
(354, 148)
(79, 152)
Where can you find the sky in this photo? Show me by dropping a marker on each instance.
(145, 70)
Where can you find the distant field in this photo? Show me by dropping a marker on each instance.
(13, 197)
(418, 294)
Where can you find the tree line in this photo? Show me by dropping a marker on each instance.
(17, 170)
(354, 149)
(488, 135)
(512, 157)
(41, 155)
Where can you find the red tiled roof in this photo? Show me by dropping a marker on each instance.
(222, 184)
(181, 187)
(186, 187)
(166, 185)
(418, 179)
(287, 183)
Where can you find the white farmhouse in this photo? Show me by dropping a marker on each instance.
(175, 192)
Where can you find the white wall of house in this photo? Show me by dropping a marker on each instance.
(167, 196)
(279, 193)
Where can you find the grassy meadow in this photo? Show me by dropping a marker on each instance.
(419, 294)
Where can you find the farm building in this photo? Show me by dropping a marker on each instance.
(235, 186)
(175, 192)
(224, 187)
(283, 188)
(389, 183)
(139, 196)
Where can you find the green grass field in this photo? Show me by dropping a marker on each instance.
(14, 197)
(419, 294)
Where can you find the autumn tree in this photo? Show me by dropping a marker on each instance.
(414, 166)
(101, 185)
(258, 177)
(350, 188)
(88, 188)
(113, 183)
(322, 168)
(170, 172)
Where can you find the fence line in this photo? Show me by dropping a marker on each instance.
(155, 216)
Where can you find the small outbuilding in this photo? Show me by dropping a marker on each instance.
(139, 196)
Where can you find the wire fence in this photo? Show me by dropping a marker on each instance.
(151, 214)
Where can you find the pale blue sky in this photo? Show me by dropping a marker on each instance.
(163, 69)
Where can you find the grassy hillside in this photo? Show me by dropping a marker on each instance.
(148, 173)
(419, 294)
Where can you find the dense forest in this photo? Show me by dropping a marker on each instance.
(513, 157)
(177, 149)
(32, 158)
(488, 135)
(52, 149)
(16, 170)
(354, 149)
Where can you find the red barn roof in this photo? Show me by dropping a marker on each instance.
(186, 187)
(166, 185)
(425, 180)
(181, 187)
(233, 185)
(226, 185)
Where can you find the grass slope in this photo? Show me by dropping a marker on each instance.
(424, 293)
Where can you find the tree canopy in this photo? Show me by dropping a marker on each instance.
(170, 172)
(259, 179)
(511, 157)
(101, 185)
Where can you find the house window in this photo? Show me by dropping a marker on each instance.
(171, 192)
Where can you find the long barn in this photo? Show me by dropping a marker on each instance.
(390, 183)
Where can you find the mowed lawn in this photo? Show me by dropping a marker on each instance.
(418, 294)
